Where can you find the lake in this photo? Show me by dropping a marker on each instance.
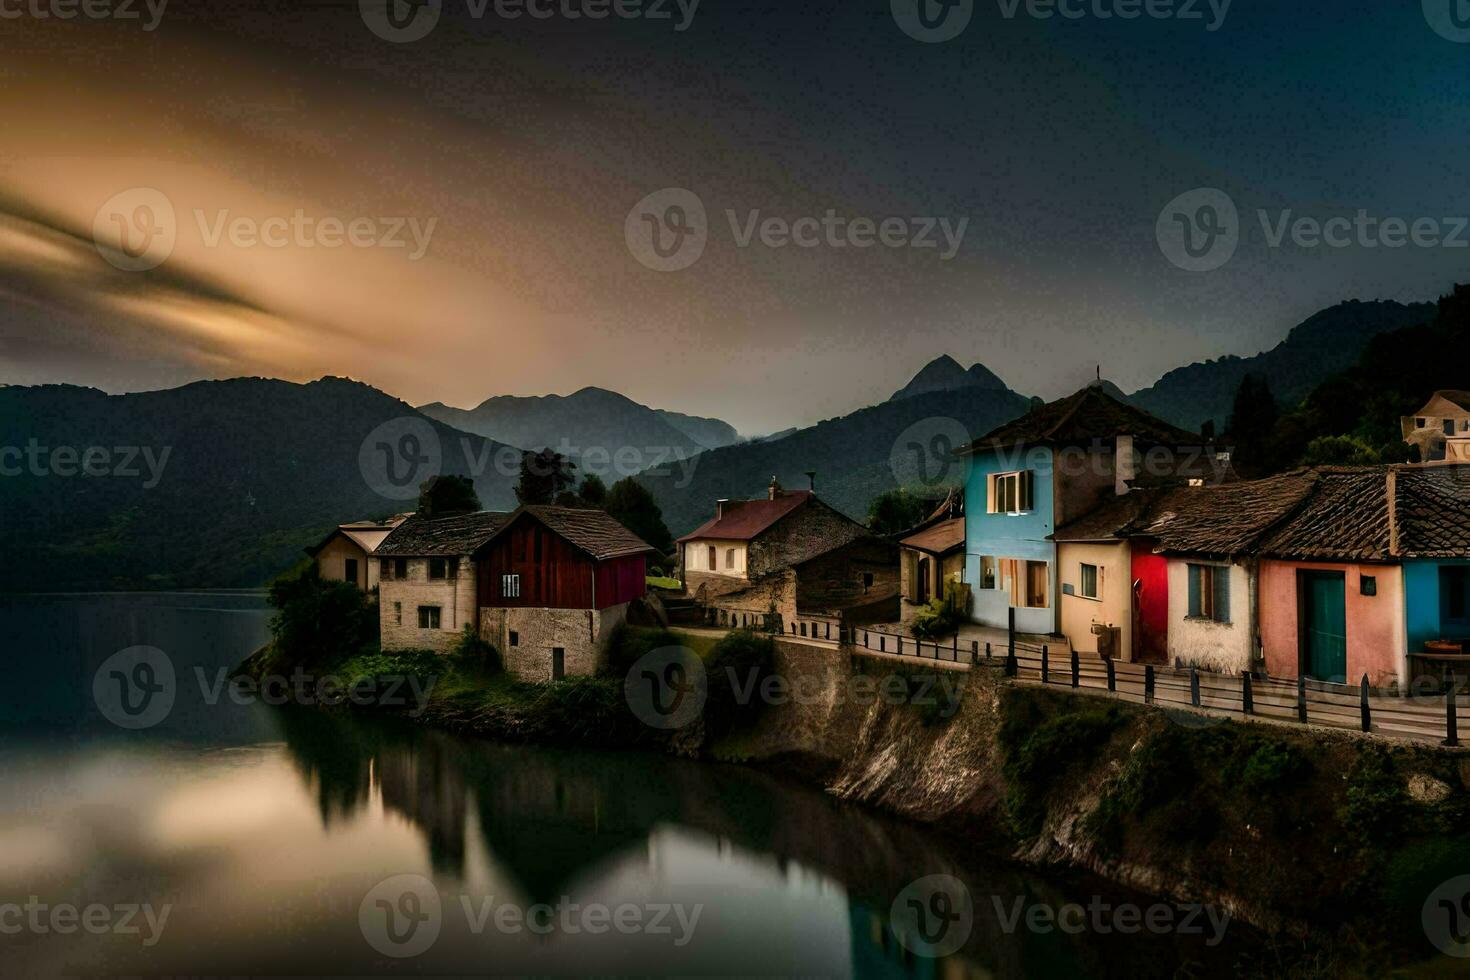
(255, 839)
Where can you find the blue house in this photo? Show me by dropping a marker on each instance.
(1432, 534)
(1050, 466)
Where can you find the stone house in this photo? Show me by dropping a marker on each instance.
(786, 554)
(1441, 429)
(427, 592)
(554, 582)
(346, 553)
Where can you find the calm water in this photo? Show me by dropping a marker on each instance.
(295, 842)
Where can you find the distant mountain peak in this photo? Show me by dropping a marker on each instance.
(944, 373)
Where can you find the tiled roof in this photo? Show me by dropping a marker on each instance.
(459, 534)
(1345, 519)
(742, 520)
(1080, 418)
(940, 539)
(594, 531)
(1433, 512)
(1114, 519)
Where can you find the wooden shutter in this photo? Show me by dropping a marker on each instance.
(1222, 595)
(1195, 573)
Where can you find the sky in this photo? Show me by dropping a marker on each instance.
(177, 185)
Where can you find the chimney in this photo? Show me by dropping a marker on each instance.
(1125, 465)
(774, 490)
(720, 507)
(811, 481)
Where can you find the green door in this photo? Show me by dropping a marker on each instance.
(1325, 619)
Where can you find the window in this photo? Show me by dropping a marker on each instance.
(349, 572)
(1010, 493)
(729, 557)
(867, 581)
(1419, 423)
(510, 586)
(398, 613)
(428, 617)
(1368, 584)
(1454, 597)
(515, 638)
(1028, 582)
(385, 568)
(987, 572)
(1449, 427)
(400, 568)
(437, 568)
(713, 564)
(1209, 593)
(1091, 579)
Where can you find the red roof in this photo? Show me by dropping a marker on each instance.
(742, 520)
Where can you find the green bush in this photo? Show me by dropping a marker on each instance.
(1040, 755)
(628, 643)
(472, 651)
(319, 622)
(1273, 766)
(941, 617)
(737, 664)
(1374, 804)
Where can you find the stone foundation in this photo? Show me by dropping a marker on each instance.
(581, 634)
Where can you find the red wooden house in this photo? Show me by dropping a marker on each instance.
(553, 582)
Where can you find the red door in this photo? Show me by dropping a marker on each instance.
(1150, 605)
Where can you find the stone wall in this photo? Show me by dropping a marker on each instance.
(581, 633)
(399, 601)
(805, 531)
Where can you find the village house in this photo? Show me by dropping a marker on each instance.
(1168, 575)
(544, 585)
(1046, 469)
(933, 553)
(554, 582)
(1441, 429)
(788, 554)
(345, 554)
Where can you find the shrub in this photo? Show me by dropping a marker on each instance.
(628, 643)
(319, 621)
(1273, 766)
(1044, 755)
(1374, 803)
(941, 617)
(736, 666)
(476, 653)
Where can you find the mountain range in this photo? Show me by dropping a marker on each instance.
(586, 419)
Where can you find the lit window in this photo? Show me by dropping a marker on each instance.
(1011, 493)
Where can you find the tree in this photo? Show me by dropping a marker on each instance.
(320, 621)
(1252, 421)
(1339, 451)
(593, 491)
(896, 510)
(544, 477)
(441, 496)
(631, 505)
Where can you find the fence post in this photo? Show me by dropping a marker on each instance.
(882, 643)
(900, 645)
(1045, 668)
(975, 651)
(1194, 687)
(1363, 699)
(1148, 683)
(1112, 676)
(956, 647)
(1011, 632)
(1076, 670)
(1451, 723)
(987, 649)
(1011, 666)
(1301, 700)
(1248, 702)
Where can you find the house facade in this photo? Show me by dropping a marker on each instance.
(932, 554)
(553, 583)
(763, 560)
(427, 592)
(1052, 466)
(346, 554)
(1440, 431)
